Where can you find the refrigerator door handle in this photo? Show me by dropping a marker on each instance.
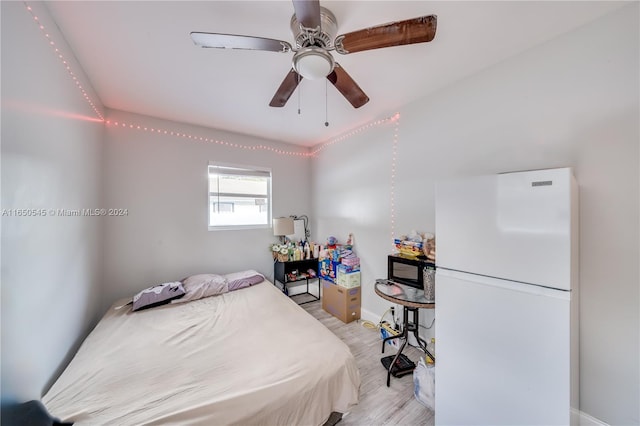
(506, 284)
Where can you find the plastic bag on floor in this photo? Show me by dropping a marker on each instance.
(424, 384)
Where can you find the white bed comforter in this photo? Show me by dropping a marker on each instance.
(251, 356)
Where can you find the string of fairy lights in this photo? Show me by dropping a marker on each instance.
(395, 119)
(196, 138)
(64, 62)
(392, 190)
(189, 136)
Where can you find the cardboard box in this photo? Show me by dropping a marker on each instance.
(351, 261)
(348, 268)
(342, 303)
(327, 269)
(348, 279)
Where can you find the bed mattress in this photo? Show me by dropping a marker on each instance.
(250, 356)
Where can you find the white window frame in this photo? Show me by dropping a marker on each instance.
(241, 170)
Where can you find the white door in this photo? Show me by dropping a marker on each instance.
(503, 352)
(514, 226)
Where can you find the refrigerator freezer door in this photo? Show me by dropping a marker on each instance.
(503, 353)
(514, 226)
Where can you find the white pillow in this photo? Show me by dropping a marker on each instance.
(202, 285)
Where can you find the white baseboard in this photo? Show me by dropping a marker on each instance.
(369, 316)
(587, 420)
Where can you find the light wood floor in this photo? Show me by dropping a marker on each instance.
(379, 404)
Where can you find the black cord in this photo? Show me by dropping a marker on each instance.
(305, 219)
(427, 328)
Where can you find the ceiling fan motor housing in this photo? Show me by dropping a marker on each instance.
(320, 37)
(312, 59)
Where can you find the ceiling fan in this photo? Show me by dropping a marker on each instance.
(314, 28)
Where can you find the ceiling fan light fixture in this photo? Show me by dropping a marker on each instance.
(313, 63)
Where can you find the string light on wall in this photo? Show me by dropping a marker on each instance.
(392, 192)
(121, 124)
(64, 62)
(354, 132)
(196, 138)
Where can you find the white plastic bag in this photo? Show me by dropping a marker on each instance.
(424, 384)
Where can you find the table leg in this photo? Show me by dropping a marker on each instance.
(421, 342)
(395, 359)
(406, 328)
(405, 336)
(386, 339)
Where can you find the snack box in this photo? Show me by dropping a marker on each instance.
(351, 261)
(348, 279)
(347, 268)
(327, 269)
(409, 248)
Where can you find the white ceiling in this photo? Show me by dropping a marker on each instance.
(140, 58)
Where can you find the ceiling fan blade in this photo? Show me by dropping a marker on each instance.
(285, 90)
(416, 30)
(233, 41)
(307, 12)
(348, 87)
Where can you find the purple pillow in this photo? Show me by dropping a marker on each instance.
(202, 285)
(157, 295)
(243, 279)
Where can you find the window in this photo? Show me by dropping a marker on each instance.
(239, 197)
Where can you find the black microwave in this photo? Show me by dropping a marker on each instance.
(408, 270)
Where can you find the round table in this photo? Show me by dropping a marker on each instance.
(412, 299)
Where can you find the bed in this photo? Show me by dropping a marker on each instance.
(249, 357)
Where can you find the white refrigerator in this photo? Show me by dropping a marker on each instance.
(507, 299)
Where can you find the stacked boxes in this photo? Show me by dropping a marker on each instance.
(328, 263)
(342, 303)
(340, 266)
(349, 271)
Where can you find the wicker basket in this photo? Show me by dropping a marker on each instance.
(283, 257)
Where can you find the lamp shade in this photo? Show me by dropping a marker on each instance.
(283, 226)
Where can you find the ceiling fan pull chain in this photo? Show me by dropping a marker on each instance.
(299, 90)
(326, 104)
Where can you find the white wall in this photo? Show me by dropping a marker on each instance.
(51, 150)
(162, 181)
(571, 102)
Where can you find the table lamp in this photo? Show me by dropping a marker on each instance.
(283, 226)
